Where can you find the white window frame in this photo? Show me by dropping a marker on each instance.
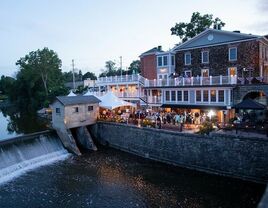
(159, 57)
(204, 70)
(187, 71)
(202, 54)
(230, 54)
(188, 53)
(229, 68)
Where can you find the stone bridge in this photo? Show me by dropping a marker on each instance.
(242, 90)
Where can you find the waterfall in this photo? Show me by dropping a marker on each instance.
(22, 154)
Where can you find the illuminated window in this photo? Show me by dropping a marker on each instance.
(212, 95)
(232, 71)
(205, 72)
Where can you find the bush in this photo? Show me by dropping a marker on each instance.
(206, 128)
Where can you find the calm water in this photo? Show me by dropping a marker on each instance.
(110, 178)
(14, 123)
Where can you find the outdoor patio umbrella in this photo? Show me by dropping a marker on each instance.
(250, 104)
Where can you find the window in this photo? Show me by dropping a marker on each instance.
(187, 59)
(212, 95)
(159, 61)
(89, 108)
(221, 95)
(205, 96)
(179, 96)
(205, 72)
(185, 95)
(172, 60)
(173, 95)
(233, 54)
(198, 95)
(167, 96)
(188, 73)
(232, 71)
(165, 60)
(58, 110)
(205, 57)
(76, 109)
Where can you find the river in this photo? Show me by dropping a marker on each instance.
(14, 123)
(111, 178)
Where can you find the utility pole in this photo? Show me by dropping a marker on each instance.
(121, 65)
(73, 75)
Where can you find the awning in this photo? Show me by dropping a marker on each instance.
(111, 101)
(209, 107)
(250, 104)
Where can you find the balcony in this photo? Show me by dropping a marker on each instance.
(200, 81)
(120, 79)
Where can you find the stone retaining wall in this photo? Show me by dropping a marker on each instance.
(245, 158)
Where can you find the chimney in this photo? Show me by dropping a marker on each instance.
(236, 31)
(159, 48)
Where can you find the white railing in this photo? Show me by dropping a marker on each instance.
(154, 99)
(192, 81)
(118, 79)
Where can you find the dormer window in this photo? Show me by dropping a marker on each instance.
(205, 57)
(187, 58)
(233, 54)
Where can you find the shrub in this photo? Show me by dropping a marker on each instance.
(206, 128)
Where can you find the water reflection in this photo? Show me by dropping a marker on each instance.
(14, 122)
(110, 178)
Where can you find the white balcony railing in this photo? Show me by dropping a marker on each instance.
(118, 79)
(192, 81)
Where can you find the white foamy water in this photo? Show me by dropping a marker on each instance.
(19, 157)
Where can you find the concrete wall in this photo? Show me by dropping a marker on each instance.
(245, 158)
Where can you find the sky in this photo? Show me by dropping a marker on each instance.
(94, 31)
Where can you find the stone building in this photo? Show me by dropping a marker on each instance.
(74, 111)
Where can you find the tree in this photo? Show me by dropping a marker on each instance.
(39, 78)
(6, 84)
(135, 67)
(197, 25)
(89, 75)
(111, 69)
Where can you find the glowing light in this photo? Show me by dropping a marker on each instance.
(211, 113)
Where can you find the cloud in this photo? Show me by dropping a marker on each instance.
(263, 6)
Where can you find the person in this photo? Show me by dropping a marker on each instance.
(158, 122)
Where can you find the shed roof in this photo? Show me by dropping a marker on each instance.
(74, 100)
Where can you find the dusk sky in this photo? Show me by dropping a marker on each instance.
(94, 31)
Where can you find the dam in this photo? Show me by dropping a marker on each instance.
(43, 174)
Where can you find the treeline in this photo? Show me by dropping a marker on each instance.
(40, 78)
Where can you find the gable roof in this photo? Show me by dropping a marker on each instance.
(211, 37)
(74, 100)
(152, 51)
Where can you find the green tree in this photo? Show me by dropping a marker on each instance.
(89, 75)
(197, 25)
(39, 78)
(6, 84)
(111, 69)
(134, 67)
